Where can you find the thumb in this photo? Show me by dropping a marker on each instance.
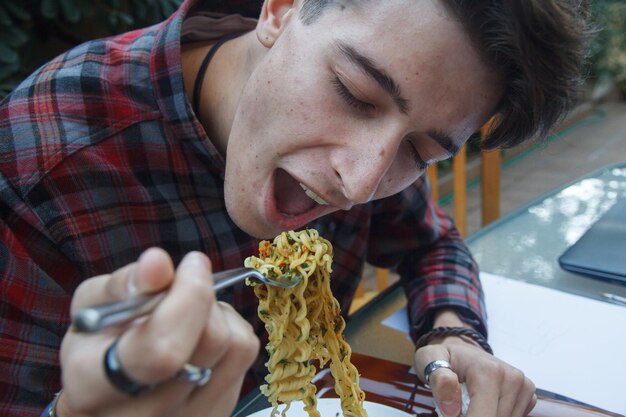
(443, 381)
(446, 392)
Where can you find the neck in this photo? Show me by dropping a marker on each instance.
(222, 83)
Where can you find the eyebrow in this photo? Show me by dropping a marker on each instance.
(381, 77)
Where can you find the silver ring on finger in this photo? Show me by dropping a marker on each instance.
(194, 374)
(118, 378)
(433, 366)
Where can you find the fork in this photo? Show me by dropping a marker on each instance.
(93, 319)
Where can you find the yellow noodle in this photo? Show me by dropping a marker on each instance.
(304, 324)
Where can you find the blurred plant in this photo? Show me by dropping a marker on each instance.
(609, 45)
(33, 31)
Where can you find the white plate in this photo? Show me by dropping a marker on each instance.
(329, 407)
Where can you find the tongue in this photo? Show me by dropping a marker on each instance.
(290, 197)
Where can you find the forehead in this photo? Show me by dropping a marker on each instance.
(427, 52)
(398, 30)
(367, 15)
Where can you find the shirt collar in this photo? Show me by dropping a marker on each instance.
(169, 89)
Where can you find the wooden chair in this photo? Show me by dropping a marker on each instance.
(490, 205)
(490, 185)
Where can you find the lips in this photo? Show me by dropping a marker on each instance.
(291, 206)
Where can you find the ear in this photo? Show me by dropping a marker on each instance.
(275, 16)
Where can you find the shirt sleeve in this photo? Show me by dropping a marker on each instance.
(34, 310)
(411, 234)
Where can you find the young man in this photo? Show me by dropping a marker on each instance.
(321, 114)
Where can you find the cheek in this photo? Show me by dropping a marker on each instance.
(256, 105)
(266, 110)
(401, 174)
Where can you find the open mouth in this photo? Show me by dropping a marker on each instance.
(292, 197)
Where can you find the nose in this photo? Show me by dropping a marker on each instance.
(364, 162)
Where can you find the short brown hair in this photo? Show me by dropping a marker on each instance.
(537, 47)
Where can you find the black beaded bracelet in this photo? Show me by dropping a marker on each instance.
(454, 331)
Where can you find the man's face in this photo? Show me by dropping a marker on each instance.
(349, 109)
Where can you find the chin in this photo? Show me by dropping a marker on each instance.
(258, 229)
(261, 232)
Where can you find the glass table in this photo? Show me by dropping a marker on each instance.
(526, 245)
(523, 245)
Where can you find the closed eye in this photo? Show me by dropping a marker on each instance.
(419, 161)
(349, 98)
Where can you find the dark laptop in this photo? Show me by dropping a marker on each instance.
(601, 251)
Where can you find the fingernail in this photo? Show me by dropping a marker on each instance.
(133, 284)
(195, 259)
(450, 408)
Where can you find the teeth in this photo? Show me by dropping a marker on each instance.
(313, 196)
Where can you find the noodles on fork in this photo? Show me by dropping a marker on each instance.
(304, 324)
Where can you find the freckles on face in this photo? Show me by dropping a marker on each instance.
(302, 111)
(292, 120)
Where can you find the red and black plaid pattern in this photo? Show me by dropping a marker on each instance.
(101, 158)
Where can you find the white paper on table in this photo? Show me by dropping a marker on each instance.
(398, 321)
(567, 344)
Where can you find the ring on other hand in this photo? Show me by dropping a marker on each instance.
(117, 377)
(194, 374)
(433, 366)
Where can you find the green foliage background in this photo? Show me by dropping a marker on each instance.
(34, 31)
(608, 49)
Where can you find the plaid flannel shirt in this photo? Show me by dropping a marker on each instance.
(102, 157)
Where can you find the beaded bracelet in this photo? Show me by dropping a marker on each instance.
(454, 331)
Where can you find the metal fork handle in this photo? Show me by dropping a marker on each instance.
(93, 319)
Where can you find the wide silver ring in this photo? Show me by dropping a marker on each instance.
(194, 374)
(433, 366)
(116, 375)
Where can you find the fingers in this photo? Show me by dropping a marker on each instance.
(525, 400)
(447, 392)
(532, 403)
(443, 382)
(152, 272)
(499, 389)
(226, 332)
(495, 388)
(215, 340)
(484, 395)
(150, 351)
(209, 334)
(159, 347)
(239, 349)
(221, 393)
